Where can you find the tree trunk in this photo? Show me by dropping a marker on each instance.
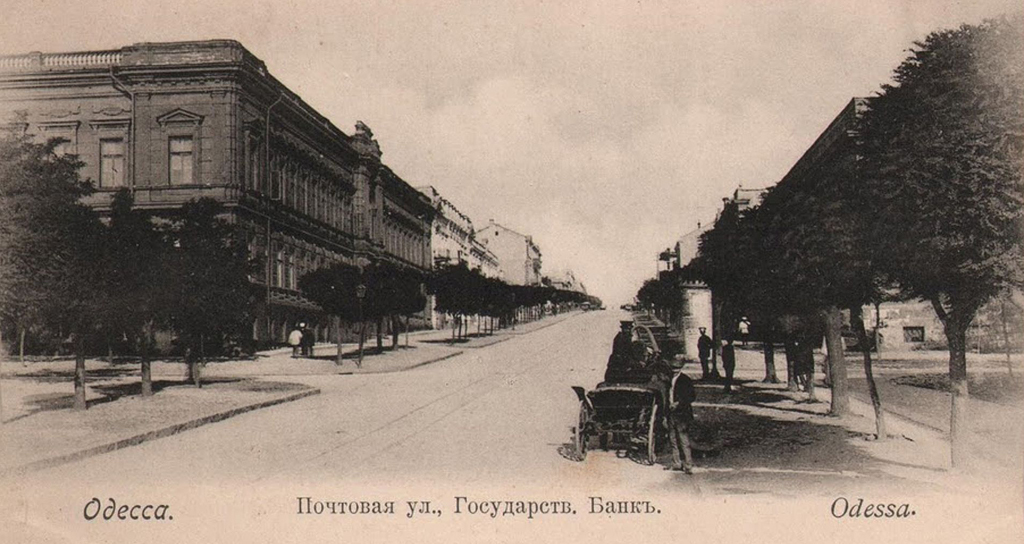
(21, 345)
(394, 333)
(791, 384)
(955, 324)
(1006, 336)
(380, 334)
(768, 346)
(196, 365)
(716, 335)
(407, 331)
(339, 356)
(836, 361)
(145, 350)
(878, 331)
(362, 341)
(857, 322)
(79, 372)
(3, 357)
(808, 352)
(147, 377)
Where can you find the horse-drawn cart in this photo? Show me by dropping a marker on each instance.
(619, 413)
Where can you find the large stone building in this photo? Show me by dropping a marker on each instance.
(179, 121)
(519, 258)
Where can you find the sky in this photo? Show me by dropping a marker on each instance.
(604, 129)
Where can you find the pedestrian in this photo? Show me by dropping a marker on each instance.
(308, 340)
(704, 346)
(680, 419)
(728, 363)
(744, 330)
(295, 340)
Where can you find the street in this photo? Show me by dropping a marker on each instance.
(492, 416)
(490, 424)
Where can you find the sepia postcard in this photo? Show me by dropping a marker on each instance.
(511, 271)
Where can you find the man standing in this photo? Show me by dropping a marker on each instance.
(680, 417)
(704, 346)
(728, 363)
(308, 340)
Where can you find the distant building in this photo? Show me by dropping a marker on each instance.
(179, 121)
(519, 258)
(744, 199)
(688, 246)
(483, 259)
(566, 281)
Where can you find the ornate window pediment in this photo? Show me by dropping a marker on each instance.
(180, 117)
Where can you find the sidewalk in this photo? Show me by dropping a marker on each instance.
(995, 435)
(46, 432)
(39, 429)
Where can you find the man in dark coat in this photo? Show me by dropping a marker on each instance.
(728, 363)
(680, 417)
(704, 347)
(621, 362)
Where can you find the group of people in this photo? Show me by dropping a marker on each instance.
(632, 361)
(705, 346)
(301, 340)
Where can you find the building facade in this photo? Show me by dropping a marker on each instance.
(566, 280)
(179, 121)
(519, 258)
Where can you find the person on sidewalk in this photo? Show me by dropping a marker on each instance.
(680, 417)
(308, 340)
(295, 340)
(728, 363)
(704, 347)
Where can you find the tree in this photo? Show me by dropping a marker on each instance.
(210, 298)
(132, 254)
(334, 289)
(50, 245)
(942, 151)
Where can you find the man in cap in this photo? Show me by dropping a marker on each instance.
(678, 395)
(620, 362)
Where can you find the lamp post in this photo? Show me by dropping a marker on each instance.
(360, 294)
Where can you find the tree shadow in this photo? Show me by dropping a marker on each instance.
(48, 402)
(449, 341)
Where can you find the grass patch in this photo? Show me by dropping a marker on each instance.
(996, 387)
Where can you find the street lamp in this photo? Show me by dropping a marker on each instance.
(360, 294)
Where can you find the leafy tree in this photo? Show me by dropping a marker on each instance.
(942, 153)
(49, 243)
(132, 255)
(334, 289)
(210, 298)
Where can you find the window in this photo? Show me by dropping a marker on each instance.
(62, 147)
(913, 334)
(181, 160)
(112, 163)
(277, 273)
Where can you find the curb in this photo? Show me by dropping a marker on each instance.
(153, 435)
(515, 334)
(417, 365)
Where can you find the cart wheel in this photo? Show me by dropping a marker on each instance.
(652, 455)
(580, 436)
